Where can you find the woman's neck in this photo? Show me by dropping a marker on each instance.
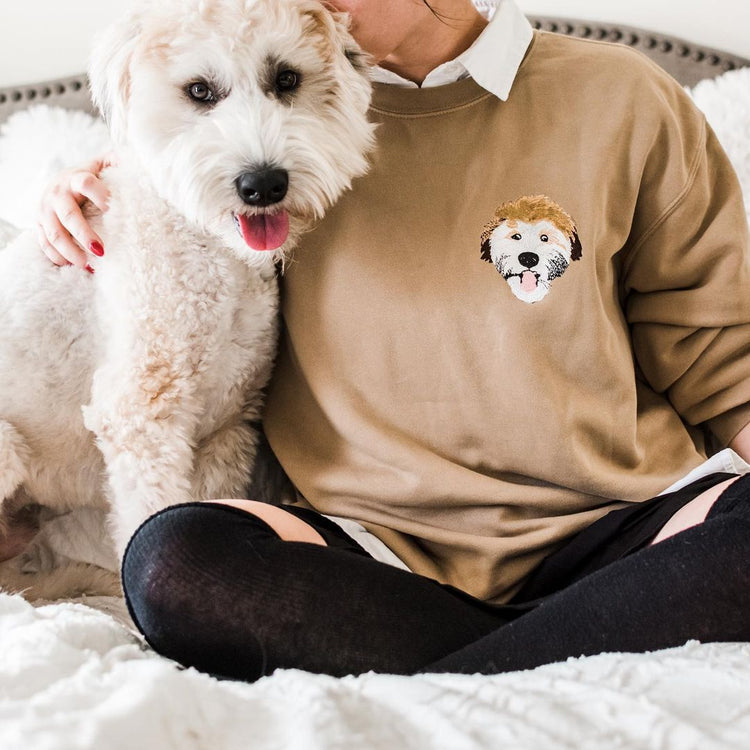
(438, 39)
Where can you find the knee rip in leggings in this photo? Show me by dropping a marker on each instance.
(735, 500)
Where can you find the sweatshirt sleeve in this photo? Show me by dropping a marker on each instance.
(686, 276)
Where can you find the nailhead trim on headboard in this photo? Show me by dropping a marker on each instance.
(687, 62)
(71, 93)
(41, 92)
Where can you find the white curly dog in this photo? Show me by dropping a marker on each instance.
(236, 124)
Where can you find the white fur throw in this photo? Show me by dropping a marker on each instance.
(75, 677)
(726, 103)
(36, 144)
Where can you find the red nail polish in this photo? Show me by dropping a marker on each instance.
(89, 269)
(96, 248)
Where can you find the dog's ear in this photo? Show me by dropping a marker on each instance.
(340, 24)
(576, 250)
(109, 72)
(486, 250)
(359, 60)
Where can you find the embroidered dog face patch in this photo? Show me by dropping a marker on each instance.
(531, 242)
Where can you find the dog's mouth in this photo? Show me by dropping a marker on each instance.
(529, 280)
(263, 231)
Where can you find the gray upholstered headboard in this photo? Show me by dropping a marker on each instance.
(687, 62)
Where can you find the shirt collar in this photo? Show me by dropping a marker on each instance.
(492, 60)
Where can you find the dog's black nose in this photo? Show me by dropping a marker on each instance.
(528, 259)
(264, 187)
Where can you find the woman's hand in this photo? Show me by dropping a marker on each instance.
(64, 234)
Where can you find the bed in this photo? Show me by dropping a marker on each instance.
(75, 674)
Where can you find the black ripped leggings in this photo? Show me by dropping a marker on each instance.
(215, 588)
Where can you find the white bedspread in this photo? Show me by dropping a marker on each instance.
(75, 676)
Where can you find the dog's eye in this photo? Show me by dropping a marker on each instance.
(516, 236)
(201, 92)
(544, 238)
(287, 80)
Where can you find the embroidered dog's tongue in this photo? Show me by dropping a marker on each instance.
(528, 281)
(264, 231)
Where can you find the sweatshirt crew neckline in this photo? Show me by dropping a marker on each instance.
(402, 101)
(396, 100)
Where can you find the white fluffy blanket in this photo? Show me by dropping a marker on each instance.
(74, 675)
(71, 677)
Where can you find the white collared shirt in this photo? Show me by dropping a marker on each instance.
(492, 60)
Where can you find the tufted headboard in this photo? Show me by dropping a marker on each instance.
(687, 62)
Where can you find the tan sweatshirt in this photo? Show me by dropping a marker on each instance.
(520, 319)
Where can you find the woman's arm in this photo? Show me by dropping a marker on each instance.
(63, 232)
(741, 443)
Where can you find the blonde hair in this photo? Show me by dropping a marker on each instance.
(531, 209)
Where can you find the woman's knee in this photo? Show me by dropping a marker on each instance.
(198, 530)
(200, 578)
(176, 556)
(734, 500)
(287, 526)
(694, 512)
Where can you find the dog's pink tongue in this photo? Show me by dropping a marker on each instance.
(264, 231)
(528, 281)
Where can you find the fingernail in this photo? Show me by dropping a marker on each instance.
(89, 268)
(96, 248)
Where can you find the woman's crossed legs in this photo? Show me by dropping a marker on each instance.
(238, 589)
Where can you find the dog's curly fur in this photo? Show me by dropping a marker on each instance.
(169, 344)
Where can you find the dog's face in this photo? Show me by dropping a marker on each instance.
(249, 116)
(531, 242)
(529, 256)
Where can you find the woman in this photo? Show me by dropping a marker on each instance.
(498, 350)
